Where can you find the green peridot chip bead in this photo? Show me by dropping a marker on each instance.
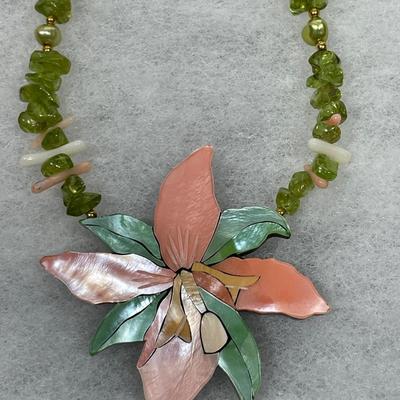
(326, 68)
(54, 139)
(298, 6)
(48, 35)
(313, 82)
(319, 4)
(322, 58)
(325, 168)
(287, 201)
(59, 9)
(335, 107)
(49, 61)
(325, 95)
(49, 81)
(42, 113)
(71, 187)
(56, 164)
(300, 184)
(327, 133)
(82, 203)
(316, 30)
(33, 93)
(29, 124)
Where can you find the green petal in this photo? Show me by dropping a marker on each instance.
(133, 329)
(232, 363)
(240, 335)
(126, 235)
(117, 317)
(243, 230)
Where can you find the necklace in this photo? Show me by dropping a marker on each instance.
(179, 285)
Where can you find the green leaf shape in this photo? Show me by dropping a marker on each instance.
(126, 235)
(242, 230)
(232, 363)
(126, 322)
(240, 335)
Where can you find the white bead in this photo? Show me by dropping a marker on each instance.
(38, 158)
(334, 152)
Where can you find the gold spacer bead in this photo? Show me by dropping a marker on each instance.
(91, 214)
(321, 45)
(47, 48)
(281, 211)
(314, 12)
(51, 20)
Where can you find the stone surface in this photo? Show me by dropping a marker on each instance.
(152, 81)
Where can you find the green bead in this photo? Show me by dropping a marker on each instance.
(54, 139)
(335, 107)
(322, 58)
(327, 133)
(300, 184)
(50, 81)
(319, 4)
(49, 61)
(59, 9)
(48, 35)
(28, 124)
(41, 113)
(325, 168)
(313, 82)
(71, 187)
(298, 6)
(82, 203)
(326, 68)
(324, 95)
(287, 200)
(56, 164)
(33, 93)
(316, 30)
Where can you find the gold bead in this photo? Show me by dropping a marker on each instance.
(321, 45)
(47, 48)
(51, 21)
(314, 12)
(91, 214)
(281, 211)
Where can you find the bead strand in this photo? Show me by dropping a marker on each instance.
(326, 79)
(43, 118)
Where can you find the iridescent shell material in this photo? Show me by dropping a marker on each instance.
(180, 286)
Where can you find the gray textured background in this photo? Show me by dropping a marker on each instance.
(152, 81)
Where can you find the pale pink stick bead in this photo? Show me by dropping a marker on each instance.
(47, 183)
(335, 120)
(65, 123)
(318, 182)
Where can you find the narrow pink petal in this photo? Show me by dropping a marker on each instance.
(151, 336)
(280, 289)
(187, 211)
(108, 278)
(179, 370)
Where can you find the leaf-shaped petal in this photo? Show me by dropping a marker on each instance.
(179, 370)
(280, 289)
(108, 278)
(116, 317)
(242, 230)
(187, 212)
(232, 363)
(125, 235)
(131, 330)
(240, 334)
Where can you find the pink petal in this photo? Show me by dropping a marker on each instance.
(108, 278)
(179, 370)
(280, 289)
(187, 212)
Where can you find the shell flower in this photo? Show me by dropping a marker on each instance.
(179, 286)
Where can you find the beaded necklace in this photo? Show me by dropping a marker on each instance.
(179, 285)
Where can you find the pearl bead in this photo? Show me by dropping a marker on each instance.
(334, 152)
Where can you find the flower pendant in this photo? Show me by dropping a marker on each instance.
(180, 285)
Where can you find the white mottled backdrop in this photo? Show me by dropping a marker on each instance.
(154, 80)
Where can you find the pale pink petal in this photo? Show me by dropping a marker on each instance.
(151, 336)
(179, 370)
(108, 278)
(280, 289)
(187, 211)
